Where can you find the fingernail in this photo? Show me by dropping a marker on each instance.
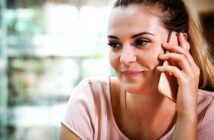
(161, 55)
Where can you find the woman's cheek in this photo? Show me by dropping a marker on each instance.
(152, 58)
(114, 60)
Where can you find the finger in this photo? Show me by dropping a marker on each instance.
(189, 57)
(187, 45)
(179, 58)
(173, 70)
(182, 40)
(179, 50)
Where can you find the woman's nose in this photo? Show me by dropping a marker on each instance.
(127, 55)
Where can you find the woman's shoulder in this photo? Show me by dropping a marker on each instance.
(96, 89)
(81, 114)
(98, 82)
(206, 114)
(205, 98)
(205, 107)
(205, 101)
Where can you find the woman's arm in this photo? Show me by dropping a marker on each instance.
(186, 128)
(66, 134)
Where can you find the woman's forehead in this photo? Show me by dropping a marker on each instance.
(126, 21)
(133, 17)
(134, 9)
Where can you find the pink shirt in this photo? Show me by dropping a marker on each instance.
(89, 113)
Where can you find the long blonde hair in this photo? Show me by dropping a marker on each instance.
(199, 48)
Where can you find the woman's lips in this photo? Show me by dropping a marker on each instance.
(131, 74)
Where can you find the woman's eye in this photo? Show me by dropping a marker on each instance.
(141, 42)
(114, 44)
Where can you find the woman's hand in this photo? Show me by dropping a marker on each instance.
(187, 75)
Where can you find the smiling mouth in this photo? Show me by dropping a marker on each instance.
(131, 74)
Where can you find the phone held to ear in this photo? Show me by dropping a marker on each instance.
(168, 85)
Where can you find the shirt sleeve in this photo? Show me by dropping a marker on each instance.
(80, 112)
(207, 127)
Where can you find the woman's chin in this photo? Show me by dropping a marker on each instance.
(133, 88)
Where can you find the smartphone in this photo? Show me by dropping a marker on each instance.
(168, 85)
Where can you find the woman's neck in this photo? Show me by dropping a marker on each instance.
(147, 112)
(146, 115)
(146, 103)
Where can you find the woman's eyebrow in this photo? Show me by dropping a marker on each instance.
(113, 37)
(133, 36)
(141, 33)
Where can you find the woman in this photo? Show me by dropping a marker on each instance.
(130, 106)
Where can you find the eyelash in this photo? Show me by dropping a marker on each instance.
(115, 45)
(137, 43)
(141, 42)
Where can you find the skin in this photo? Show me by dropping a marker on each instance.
(136, 38)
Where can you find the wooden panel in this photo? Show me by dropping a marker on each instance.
(208, 22)
(205, 6)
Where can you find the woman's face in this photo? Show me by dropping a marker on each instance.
(135, 34)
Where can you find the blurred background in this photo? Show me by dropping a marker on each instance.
(46, 48)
